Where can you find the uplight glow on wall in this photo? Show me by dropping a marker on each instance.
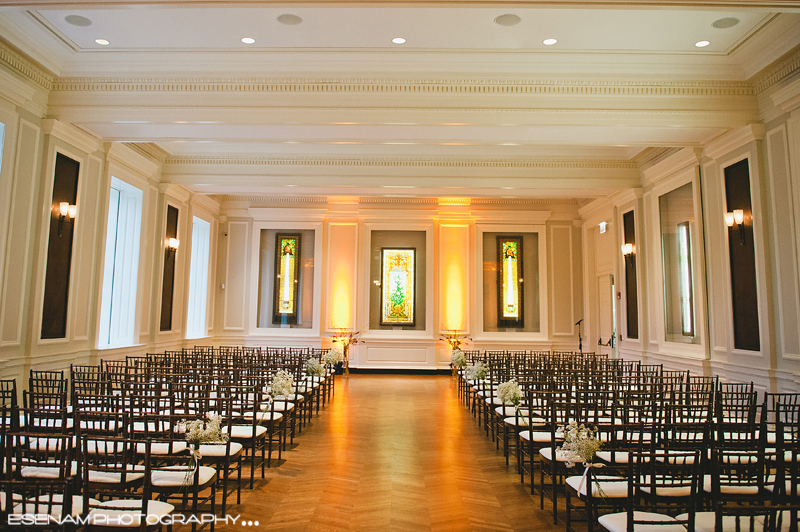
(287, 266)
(509, 288)
(397, 286)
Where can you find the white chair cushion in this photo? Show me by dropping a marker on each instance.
(618, 522)
(620, 457)
(507, 411)
(163, 448)
(729, 489)
(218, 450)
(263, 416)
(602, 486)
(44, 471)
(116, 514)
(103, 447)
(283, 406)
(113, 477)
(176, 476)
(538, 436)
(245, 431)
(547, 454)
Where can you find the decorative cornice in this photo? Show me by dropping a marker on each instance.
(777, 73)
(25, 67)
(389, 200)
(407, 162)
(733, 140)
(450, 86)
(150, 150)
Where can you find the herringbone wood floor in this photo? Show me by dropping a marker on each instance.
(392, 452)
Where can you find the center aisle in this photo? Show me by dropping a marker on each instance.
(392, 452)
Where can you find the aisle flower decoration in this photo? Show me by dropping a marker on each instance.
(282, 384)
(580, 444)
(346, 337)
(477, 371)
(314, 368)
(198, 432)
(332, 357)
(458, 359)
(509, 392)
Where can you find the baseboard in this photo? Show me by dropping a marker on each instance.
(377, 371)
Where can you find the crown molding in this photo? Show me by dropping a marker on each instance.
(23, 66)
(407, 162)
(134, 160)
(417, 86)
(737, 138)
(788, 96)
(626, 196)
(670, 165)
(777, 73)
(595, 209)
(273, 214)
(14, 89)
(71, 134)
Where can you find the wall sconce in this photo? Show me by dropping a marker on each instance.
(627, 250)
(172, 246)
(736, 217)
(603, 226)
(65, 210)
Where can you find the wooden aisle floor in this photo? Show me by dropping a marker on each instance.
(392, 452)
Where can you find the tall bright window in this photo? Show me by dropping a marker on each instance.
(198, 280)
(121, 270)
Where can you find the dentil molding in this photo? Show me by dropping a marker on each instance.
(407, 162)
(449, 86)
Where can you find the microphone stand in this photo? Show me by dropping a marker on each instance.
(580, 338)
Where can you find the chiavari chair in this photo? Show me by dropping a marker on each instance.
(646, 507)
(42, 504)
(249, 431)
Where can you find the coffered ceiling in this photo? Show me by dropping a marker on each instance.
(473, 102)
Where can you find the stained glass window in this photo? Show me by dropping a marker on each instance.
(509, 290)
(287, 262)
(397, 286)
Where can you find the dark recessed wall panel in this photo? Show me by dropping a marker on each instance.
(743, 259)
(631, 288)
(168, 285)
(59, 250)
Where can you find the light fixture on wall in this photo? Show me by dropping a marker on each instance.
(736, 217)
(628, 250)
(64, 211)
(603, 226)
(172, 245)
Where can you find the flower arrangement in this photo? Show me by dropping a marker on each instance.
(477, 371)
(458, 359)
(332, 357)
(454, 338)
(198, 432)
(580, 443)
(509, 392)
(347, 338)
(282, 384)
(314, 368)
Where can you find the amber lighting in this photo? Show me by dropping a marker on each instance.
(454, 278)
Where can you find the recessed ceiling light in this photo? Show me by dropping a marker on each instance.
(289, 19)
(727, 22)
(77, 20)
(702, 44)
(549, 42)
(398, 40)
(102, 41)
(509, 144)
(248, 40)
(507, 20)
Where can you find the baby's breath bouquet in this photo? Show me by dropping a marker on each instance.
(580, 444)
(314, 368)
(458, 359)
(282, 384)
(477, 371)
(332, 357)
(198, 432)
(509, 392)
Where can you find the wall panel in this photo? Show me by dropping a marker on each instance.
(236, 277)
(562, 268)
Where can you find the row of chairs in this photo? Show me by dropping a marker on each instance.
(636, 409)
(116, 432)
